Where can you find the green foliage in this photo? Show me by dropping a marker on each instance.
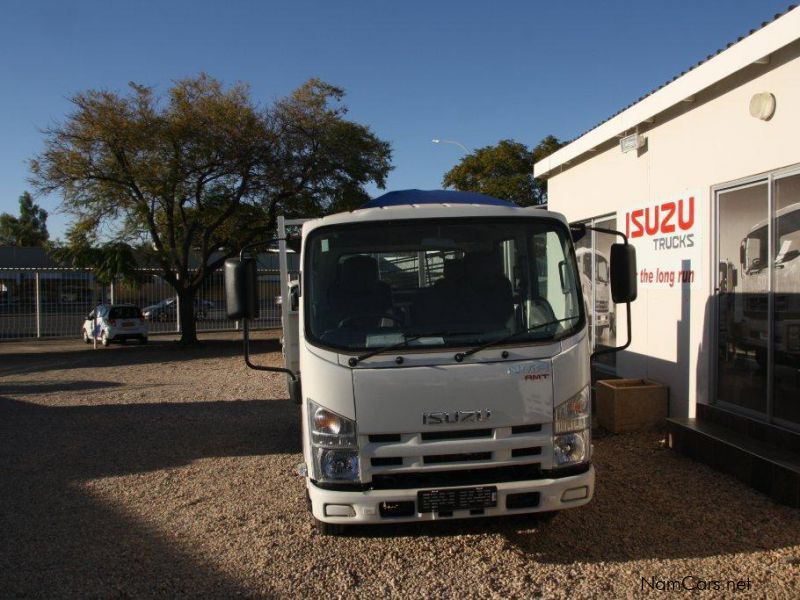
(504, 171)
(109, 261)
(203, 171)
(29, 229)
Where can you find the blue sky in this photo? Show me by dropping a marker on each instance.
(470, 71)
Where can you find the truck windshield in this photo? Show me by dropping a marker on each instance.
(445, 282)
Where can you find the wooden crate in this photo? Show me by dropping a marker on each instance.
(630, 404)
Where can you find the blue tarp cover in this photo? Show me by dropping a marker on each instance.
(402, 197)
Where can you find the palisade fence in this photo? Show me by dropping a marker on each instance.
(53, 303)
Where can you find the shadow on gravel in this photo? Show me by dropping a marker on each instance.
(650, 503)
(155, 352)
(24, 388)
(87, 442)
(59, 541)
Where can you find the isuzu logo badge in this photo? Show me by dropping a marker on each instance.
(458, 416)
(531, 371)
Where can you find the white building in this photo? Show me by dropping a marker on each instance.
(704, 176)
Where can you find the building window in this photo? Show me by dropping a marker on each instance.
(757, 367)
(593, 253)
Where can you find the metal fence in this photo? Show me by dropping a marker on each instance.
(53, 303)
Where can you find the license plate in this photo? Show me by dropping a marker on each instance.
(456, 499)
(127, 323)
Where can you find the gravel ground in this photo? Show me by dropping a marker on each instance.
(157, 470)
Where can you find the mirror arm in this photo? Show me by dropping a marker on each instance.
(257, 244)
(249, 363)
(627, 304)
(627, 342)
(246, 322)
(610, 231)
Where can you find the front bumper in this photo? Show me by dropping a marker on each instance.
(366, 505)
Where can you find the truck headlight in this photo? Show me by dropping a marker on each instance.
(336, 464)
(334, 445)
(574, 414)
(572, 448)
(572, 440)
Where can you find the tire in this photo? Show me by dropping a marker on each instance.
(104, 339)
(328, 529)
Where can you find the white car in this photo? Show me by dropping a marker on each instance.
(115, 323)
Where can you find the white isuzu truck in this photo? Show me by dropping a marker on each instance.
(437, 343)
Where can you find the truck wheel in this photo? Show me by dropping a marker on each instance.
(328, 529)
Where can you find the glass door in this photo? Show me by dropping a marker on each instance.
(593, 254)
(757, 297)
(742, 296)
(786, 299)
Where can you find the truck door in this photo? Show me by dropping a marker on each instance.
(290, 314)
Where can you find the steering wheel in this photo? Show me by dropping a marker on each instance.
(346, 320)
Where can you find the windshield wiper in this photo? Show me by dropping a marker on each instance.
(354, 360)
(462, 355)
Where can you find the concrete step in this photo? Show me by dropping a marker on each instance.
(771, 470)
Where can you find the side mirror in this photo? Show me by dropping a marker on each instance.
(742, 253)
(241, 288)
(294, 296)
(623, 273)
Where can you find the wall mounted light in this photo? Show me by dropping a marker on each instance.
(632, 142)
(762, 106)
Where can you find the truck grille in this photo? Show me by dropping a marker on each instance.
(451, 458)
(455, 478)
(471, 455)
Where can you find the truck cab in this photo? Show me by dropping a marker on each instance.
(440, 355)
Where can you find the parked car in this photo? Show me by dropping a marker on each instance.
(167, 310)
(115, 323)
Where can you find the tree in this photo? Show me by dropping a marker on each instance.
(29, 229)
(204, 171)
(504, 171)
(545, 148)
(109, 260)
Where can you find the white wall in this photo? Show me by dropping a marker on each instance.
(714, 141)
